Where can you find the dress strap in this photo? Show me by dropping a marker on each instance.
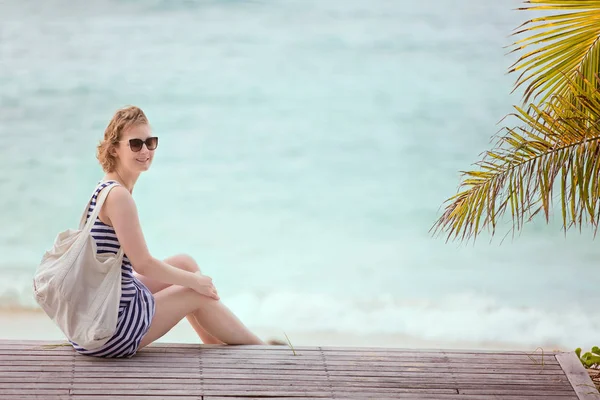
(92, 202)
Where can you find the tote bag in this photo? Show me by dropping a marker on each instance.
(79, 289)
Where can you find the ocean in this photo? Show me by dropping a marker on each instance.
(306, 149)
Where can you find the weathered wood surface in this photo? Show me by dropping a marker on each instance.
(35, 370)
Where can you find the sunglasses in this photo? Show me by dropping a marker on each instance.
(136, 144)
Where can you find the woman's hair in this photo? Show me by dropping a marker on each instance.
(123, 119)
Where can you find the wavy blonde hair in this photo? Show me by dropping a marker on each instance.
(123, 119)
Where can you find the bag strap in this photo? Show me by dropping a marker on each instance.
(99, 202)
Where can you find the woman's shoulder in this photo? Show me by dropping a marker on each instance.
(118, 202)
(116, 191)
(102, 184)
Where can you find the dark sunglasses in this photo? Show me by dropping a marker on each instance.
(136, 144)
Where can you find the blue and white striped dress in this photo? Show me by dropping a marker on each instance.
(136, 307)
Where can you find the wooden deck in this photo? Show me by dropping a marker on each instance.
(34, 370)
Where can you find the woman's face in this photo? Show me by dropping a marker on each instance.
(130, 156)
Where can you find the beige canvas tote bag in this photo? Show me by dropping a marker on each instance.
(79, 289)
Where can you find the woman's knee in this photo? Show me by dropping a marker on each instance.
(197, 301)
(183, 261)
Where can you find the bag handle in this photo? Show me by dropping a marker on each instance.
(99, 202)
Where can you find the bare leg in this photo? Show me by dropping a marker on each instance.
(175, 302)
(206, 337)
(197, 317)
(187, 263)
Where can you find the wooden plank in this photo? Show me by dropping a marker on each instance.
(314, 373)
(337, 373)
(7, 365)
(439, 369)
(202, 384)
(277, 391)
(171, 349)
(578, 377)
(411, 396)
(234, 357)
(290, 358)
(270, 398)
(268, 369)
(305, 385)
(296, 363)
(168, 347)
(147, 396)
(291, 374)
(33, 392)
(141, 357)
(58, 396)
(537, 394)
(233, 353)
(192, 378)
(112, 397)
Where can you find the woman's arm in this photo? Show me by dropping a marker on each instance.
(122, 213)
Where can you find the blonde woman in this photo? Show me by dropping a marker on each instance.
(156, 294)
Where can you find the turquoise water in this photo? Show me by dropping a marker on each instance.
(305, 150)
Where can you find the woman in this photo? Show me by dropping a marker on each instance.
(156, 294)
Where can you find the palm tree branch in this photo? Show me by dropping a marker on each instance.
(563, 140)
(570, 45)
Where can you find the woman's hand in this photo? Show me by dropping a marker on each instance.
(203, 284)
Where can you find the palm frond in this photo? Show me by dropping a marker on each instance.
(559, 142)
(567, 47)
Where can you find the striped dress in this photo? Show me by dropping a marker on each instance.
(136, 307)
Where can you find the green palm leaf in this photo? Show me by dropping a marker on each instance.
(558, 143)
(567, 47)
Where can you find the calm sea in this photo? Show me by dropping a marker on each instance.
(305, 150)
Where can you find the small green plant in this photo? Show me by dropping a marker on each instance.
(590, 359)
(290, 343)
(534, 360)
